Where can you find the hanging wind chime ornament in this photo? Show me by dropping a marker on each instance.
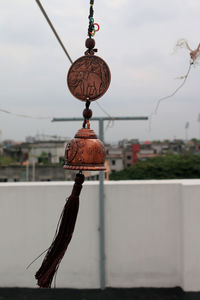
(88, 79)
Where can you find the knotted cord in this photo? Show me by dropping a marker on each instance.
(91, 19)
(93, 27)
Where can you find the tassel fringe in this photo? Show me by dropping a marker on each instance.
(62, 237)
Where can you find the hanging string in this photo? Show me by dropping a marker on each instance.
(53, 29)
(91, 19)
(169, 96)
(176, 90)
(194, 56)
(91, 32)
(93, 27)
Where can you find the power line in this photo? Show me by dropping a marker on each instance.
(24, 115)
(53, 29)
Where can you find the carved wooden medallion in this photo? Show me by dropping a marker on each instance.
(88, 78)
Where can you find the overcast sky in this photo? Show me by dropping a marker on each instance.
(136, 40)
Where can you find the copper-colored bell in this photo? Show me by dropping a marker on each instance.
(85, 152)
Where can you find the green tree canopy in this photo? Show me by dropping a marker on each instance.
(43, 158)
(170, 166)
(6, 160)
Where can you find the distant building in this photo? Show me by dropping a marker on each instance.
(128, 156)
(135, 150)
(114, 158)
(41, 160)
(32, 172)
(35, 161)
(20, 152)
(54, 151)
(147, 151)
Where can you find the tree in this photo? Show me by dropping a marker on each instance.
(170, 166)
(6, 160)
(43, 158)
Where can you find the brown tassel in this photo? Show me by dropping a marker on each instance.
(62, 237)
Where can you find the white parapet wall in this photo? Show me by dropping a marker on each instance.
(152, 233)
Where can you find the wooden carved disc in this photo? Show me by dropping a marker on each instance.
(88, 78)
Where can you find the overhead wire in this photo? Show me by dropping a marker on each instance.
(24, 115)
(53, 29)
(65, 51)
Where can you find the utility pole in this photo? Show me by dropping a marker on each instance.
(27, 170)
(33, 170)
(101, 188)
